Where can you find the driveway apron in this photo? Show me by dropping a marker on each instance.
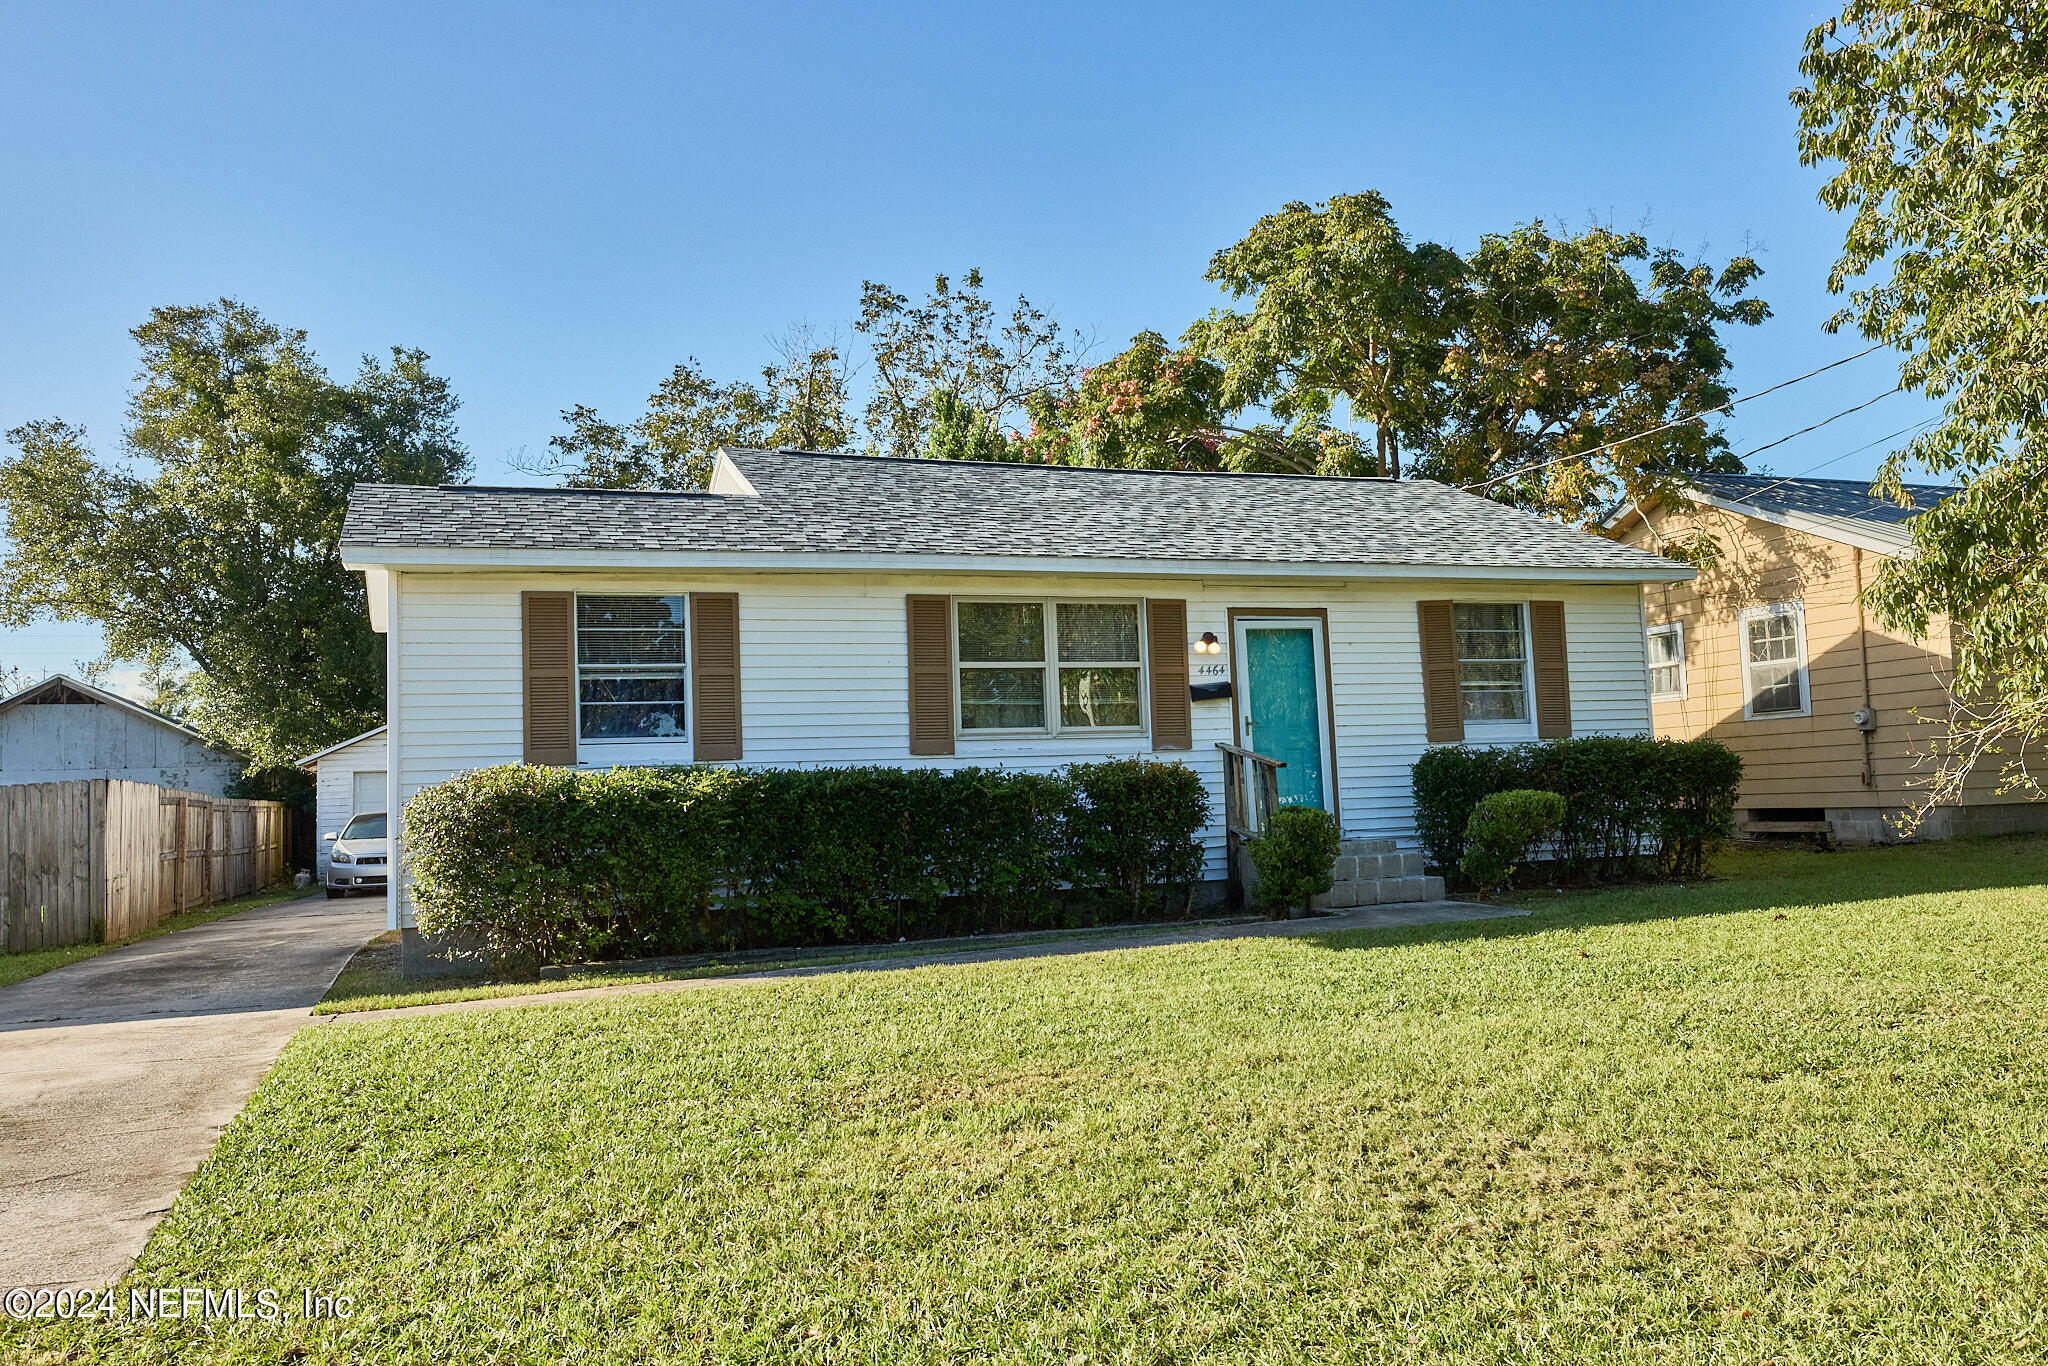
(118, 1073)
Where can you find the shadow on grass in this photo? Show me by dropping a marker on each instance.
(1748, 880)
(1745, 881)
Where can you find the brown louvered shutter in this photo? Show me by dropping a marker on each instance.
(1166, 649)
(1553, 679)
(1443, 710)
(714, 676)
(930, 617)
(549, 630)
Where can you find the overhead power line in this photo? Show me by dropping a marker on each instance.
(1810, 470)
(1700, 416)
(1896, 388)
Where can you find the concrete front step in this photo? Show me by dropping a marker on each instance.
(1352, 848)
(1378, 892)
(1363, 866)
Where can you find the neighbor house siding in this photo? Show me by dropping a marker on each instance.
(63, 742)
(825, 672)
(1817, 760)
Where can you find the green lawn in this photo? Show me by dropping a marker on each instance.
(1797, 1115)
(15, 967)
(373, 979)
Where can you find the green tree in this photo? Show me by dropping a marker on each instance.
(213, 544)
(1495, 368)
(1157, 407)
(1934, 120)
(672, 445)
(808, 392)
(954, 343)
(1343, 308)
(801, 402)
(1553, 346)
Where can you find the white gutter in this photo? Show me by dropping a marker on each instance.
(416, 559)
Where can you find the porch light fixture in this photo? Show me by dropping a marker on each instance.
(1208, 644)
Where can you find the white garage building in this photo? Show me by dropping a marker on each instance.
(348, 779)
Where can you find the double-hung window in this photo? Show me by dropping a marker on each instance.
(1045, 667)
(1667, 660)
(1774, 660)
(1493, 663)
(630, 667)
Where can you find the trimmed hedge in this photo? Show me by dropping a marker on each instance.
(1506, 827)
(1632, 804)
(549, 865)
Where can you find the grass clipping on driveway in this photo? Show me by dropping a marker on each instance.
(1795, 1116)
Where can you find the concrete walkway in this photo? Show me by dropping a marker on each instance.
(118, 1073)
(1018, 946)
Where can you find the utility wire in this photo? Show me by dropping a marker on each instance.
(1769, 445)
(1837, 459)
(1694, 417)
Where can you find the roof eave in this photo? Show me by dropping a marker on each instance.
(419, 559)
(320, 754)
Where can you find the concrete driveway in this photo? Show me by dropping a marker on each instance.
(118, 1073)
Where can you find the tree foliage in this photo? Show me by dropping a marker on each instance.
(1934, 120)
(951, 367)
(214, 541)
(1162, 408)
(1555, 346)
(1494, 369)
(801, 402)
(1343, 308)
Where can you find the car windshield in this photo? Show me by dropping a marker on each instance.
(370, 827)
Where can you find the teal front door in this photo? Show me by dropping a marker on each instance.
(1282, 712)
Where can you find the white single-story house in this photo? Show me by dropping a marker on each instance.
(821, 609)
(64, 729)
(348, 779)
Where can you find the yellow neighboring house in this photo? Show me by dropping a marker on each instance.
(1770, 652)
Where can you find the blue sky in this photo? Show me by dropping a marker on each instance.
(561, 201)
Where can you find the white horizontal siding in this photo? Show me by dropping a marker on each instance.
(334, 778)
(824, 673)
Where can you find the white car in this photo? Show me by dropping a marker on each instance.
(360, 857)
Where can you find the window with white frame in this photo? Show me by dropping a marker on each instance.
(631, 667)
(1667, 660)
(1774, 660)
(1493, 663)
(1046, 667)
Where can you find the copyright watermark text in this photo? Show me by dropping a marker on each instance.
(266, 1305)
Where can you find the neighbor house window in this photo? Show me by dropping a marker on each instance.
(1493, 660)
(630, 667)
(1774, 660)
(1667, 660)
(1048, 666)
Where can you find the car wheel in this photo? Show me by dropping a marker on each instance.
(335, 893)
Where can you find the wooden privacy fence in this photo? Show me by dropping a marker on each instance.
(103, 859)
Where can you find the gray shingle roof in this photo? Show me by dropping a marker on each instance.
(1819, 497)
(811, 502)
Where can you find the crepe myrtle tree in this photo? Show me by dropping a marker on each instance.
(1154, 406)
